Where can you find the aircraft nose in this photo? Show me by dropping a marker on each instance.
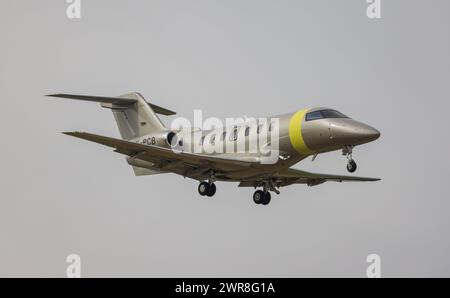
(367, 133)
(351, 132)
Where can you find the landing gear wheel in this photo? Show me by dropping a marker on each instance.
(351, 166)
(258, 197)
(212, 190)
(204, 188)
(266, 198)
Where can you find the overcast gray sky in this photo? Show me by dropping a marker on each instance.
(60, 195)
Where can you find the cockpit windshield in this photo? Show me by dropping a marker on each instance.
(322, 114)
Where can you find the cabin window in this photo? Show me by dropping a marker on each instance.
(234, 134)
(247, 131)
(258, 130)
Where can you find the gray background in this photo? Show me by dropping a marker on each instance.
(61, 195)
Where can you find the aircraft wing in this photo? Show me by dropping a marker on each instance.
(159, 154)
(292, 176)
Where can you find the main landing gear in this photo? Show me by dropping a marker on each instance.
(351, 164)
(206, 189)
(261, 197)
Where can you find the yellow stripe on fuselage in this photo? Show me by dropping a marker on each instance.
(295, 133)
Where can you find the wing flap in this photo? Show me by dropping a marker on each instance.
(302, 176)
(293, 176)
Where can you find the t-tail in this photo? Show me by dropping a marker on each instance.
(135, 117)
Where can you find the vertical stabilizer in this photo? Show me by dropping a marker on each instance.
(137, 119)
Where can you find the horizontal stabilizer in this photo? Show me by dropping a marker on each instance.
(120, 101)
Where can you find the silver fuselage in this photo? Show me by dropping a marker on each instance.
(297, 138)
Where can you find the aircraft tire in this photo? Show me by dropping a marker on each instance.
(203, 188)
(266, 198)
(258, 196)
(351, 166)
(212, 190)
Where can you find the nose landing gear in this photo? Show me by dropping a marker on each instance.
(351, 164)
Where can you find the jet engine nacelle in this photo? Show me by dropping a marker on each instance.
(166, 139)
